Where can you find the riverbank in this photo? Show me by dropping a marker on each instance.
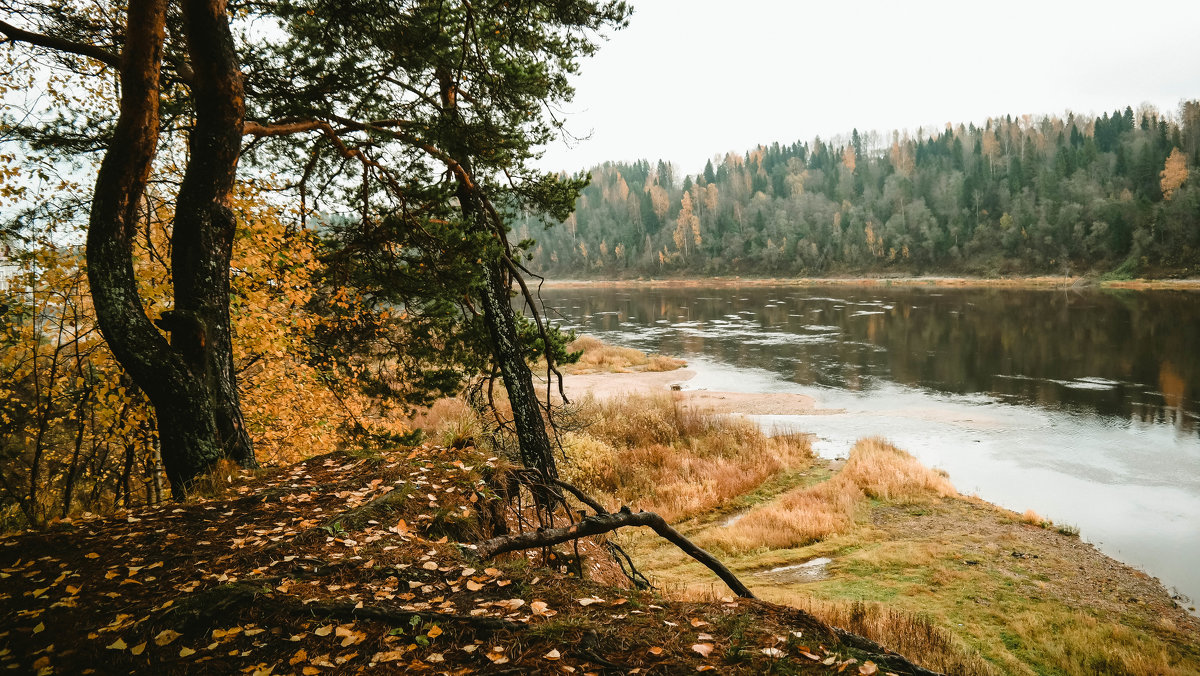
(1024, 594)
(1034, 282)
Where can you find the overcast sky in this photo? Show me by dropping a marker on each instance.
(692, 78)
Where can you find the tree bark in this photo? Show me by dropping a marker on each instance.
(185, 421)
(536, 451)
(191, 381)
(204, 227)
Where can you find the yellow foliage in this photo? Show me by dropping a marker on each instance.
(1174, 173)
(81, 436)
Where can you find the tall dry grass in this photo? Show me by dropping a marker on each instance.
(599, 357)
(913, 636)
(652, 452)
(874, 469)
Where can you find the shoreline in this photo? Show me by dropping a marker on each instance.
(612, 384)
(1032, 282)
(968, 565)
(604, 385)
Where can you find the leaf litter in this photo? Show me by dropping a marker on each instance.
(339, 564)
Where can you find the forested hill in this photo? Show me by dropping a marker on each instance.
(1015, 195)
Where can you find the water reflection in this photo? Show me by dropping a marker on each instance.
(1129, 355)
(1080, 405)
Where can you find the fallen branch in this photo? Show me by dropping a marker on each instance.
(606, 523)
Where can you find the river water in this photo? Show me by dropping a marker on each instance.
(1083, 405)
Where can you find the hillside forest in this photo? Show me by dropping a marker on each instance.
(1011, 195)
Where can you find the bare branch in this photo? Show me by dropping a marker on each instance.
(606, 523)
(60, 44)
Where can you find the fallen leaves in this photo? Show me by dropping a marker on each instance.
(166, 636)
(705, 649)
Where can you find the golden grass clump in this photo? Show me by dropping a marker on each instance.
(1033, 518)
(651, 452)
(802, 516)
(883, 471)
(599, 357)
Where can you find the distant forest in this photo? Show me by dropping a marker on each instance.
(1029, 195)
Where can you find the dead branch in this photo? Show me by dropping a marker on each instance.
(60, 45)
(606, 523)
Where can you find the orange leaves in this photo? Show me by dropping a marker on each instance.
(1174, 173)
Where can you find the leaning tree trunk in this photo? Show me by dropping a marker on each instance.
(536, 451)
(498, 314)
(204, 226)
(186, 425)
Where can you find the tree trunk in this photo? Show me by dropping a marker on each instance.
(204, 227)
(185, 421)
(190, 382)
(498, 314)
(536, 452)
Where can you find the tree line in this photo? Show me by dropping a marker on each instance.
(1051, 195)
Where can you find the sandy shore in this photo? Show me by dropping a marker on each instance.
(606, 385)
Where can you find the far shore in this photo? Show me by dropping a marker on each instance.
(1045, 282)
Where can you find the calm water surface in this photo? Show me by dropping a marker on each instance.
(1081, 405)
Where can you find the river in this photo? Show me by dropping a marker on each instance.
(1079, 404)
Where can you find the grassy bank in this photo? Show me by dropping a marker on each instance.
(961, 585)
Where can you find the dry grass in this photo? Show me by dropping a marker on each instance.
(911, 635)
(875, 469)
(652, 452)
(1032, 517)
(449, 422)
(888, 473)
(599, 357)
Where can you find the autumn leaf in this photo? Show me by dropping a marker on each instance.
(166, 636)
(868, 668)
(324, 631)
(118, 644)
(552, 655)
(541, 609)
(186, 651)
(434, 631)
(773, 652)
(138, 649)
(656, 651)
(389, 656)
(704, 649)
